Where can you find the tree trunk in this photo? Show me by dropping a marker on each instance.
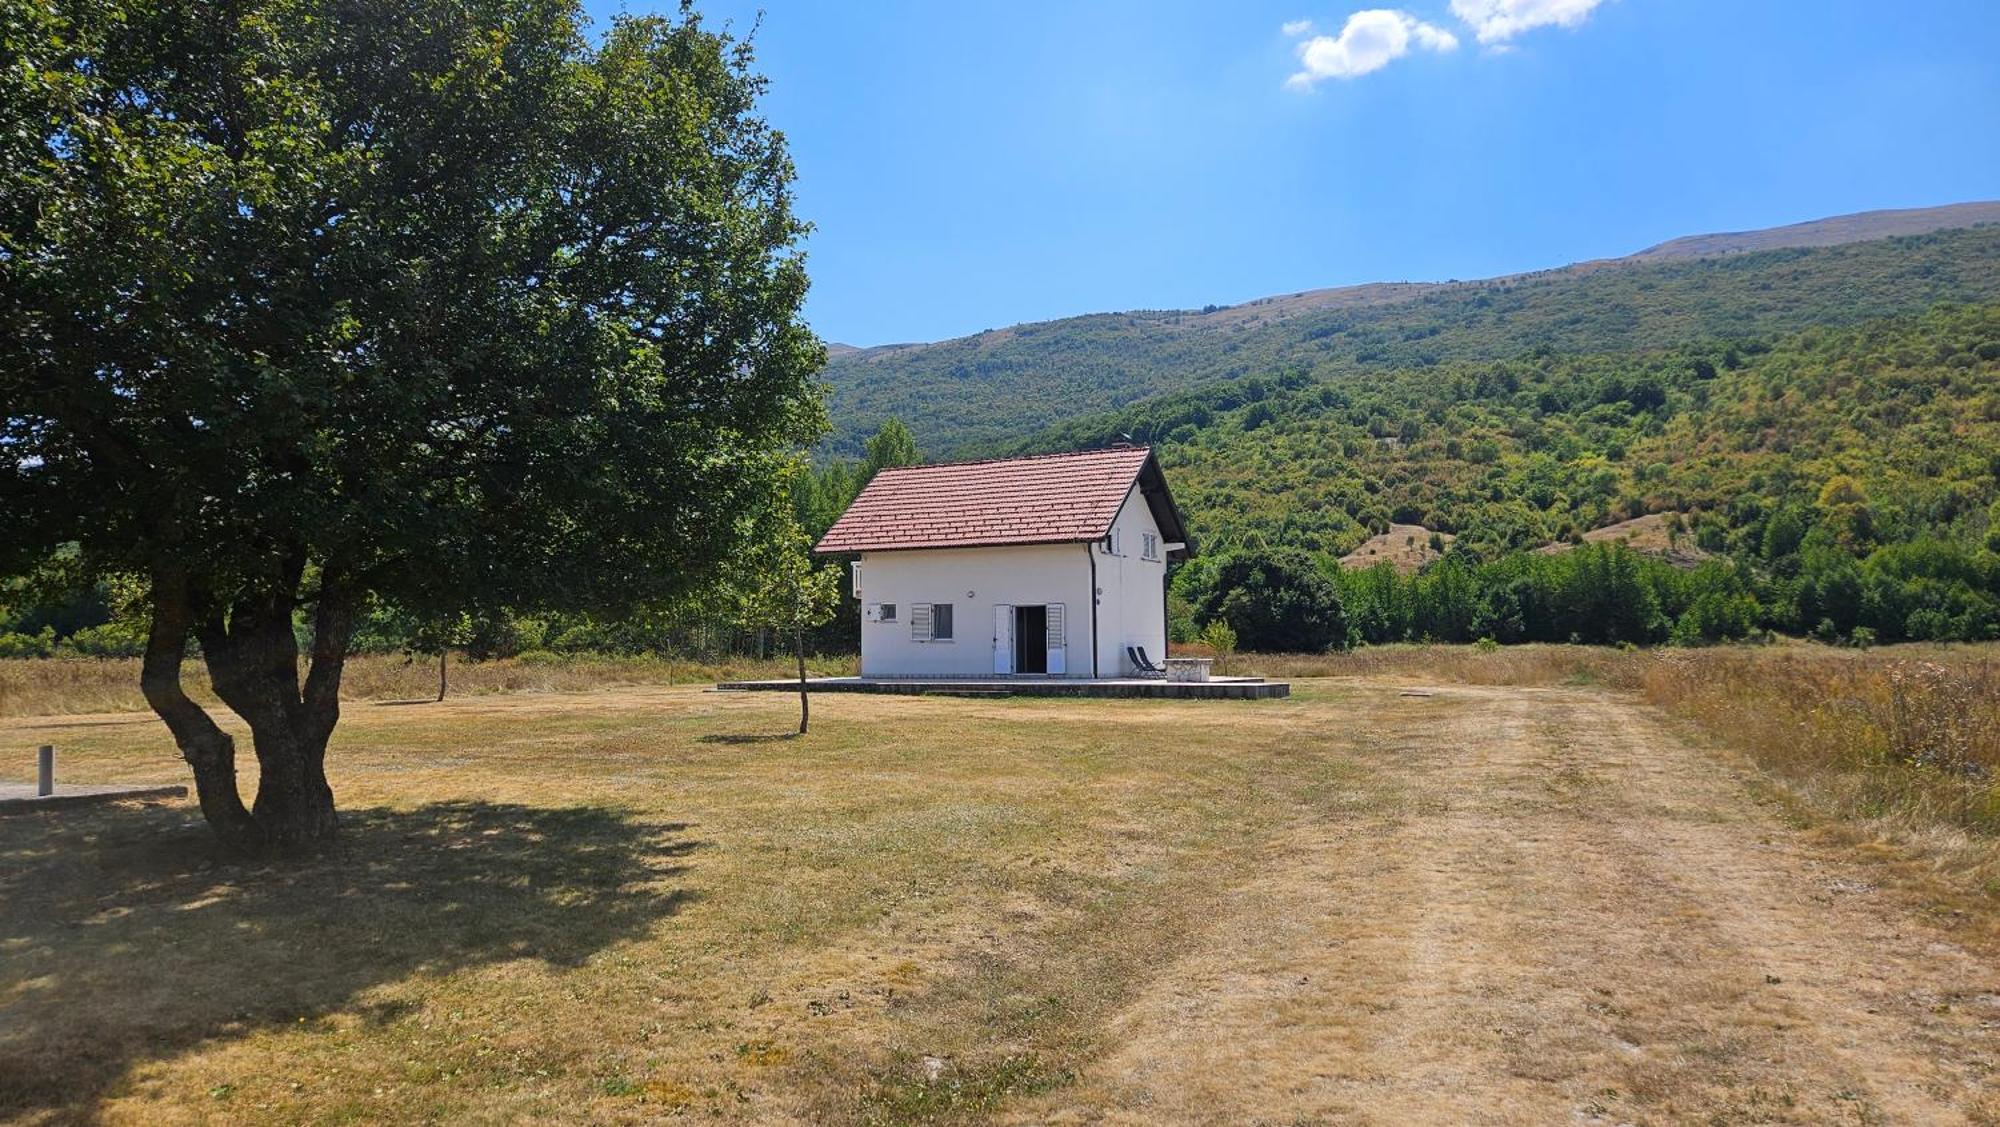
(442, 654)
(252, 657)
(805, 707)
(209, 750)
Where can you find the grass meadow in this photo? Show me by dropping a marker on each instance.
(596, 891)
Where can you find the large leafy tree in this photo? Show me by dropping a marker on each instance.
(307, 302)
(1276, 602)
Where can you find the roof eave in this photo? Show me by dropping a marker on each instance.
(820, 551)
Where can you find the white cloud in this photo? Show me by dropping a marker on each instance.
(1295, 28)
(1370, 41)
(1496, 21)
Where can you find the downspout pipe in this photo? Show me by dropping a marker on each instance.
(1090, 551)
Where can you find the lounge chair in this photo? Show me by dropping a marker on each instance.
(1140, 665)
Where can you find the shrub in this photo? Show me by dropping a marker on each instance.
(40, 644)
(1218, 636)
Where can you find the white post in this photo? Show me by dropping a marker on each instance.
(45, 771)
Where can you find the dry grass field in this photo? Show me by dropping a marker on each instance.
(1406, 547)
(63, 686)
(1527, 886)
(1647, 535)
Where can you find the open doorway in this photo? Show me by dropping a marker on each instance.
(1031, 639)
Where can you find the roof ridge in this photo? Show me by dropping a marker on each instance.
(1016, 459)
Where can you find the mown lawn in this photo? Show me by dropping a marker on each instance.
(618, 904)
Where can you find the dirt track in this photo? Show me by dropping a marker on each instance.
(1562, 912)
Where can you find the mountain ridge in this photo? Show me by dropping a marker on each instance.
(1827, 231)
(994, 390)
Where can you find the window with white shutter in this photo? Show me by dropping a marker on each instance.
(920, 622)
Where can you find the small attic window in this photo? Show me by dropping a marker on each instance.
(1149, 545)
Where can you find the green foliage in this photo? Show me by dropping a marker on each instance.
(1520, 453)
(267, 303)
(1219, 637)
(16, 644)
(1275, 602)
(777, 584)
(893, 445)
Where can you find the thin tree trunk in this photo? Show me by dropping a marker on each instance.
(443, 652)
(805, 707)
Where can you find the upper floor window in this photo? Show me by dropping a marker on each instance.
(1149, 545)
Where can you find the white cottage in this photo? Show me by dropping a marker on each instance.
(1049, 566)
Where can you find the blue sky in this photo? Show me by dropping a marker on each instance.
(969, 166)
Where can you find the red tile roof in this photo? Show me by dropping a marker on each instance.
(1052, 499)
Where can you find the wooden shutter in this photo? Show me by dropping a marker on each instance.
(920, 622)
(1003, 639)
(1058, 656)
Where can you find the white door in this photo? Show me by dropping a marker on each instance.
(1058, 663)
(1003, 639)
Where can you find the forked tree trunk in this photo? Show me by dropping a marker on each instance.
(252, 657)
(209, 750)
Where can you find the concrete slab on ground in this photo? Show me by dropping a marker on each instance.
(1217, 688)
(19, 798)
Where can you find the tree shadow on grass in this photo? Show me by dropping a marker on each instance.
(752, 738)
(127, 936)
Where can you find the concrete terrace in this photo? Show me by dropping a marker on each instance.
(1217, 688)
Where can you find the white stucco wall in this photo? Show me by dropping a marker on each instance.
(1131, 610)
(974, 581)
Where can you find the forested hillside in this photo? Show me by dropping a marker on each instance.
(990, 390)
(1845, 480)
(1517, 453)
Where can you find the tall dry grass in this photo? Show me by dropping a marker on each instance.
(1465, 665)
(1909, 743)
(68, 686)
(1900, 743)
